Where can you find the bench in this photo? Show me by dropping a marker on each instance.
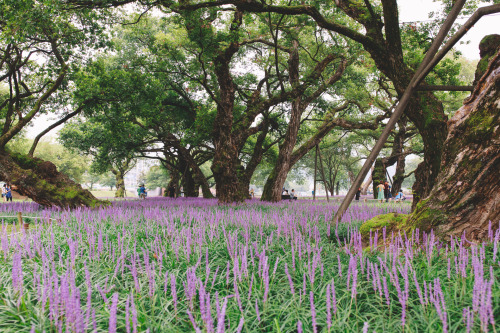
(287, 197)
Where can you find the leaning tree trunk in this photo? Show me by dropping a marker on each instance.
(466, 197)
(40, 181)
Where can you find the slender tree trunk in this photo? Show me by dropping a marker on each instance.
(246, 173)
(40, 181)
(398, 148)
(272, 189)
(466, 197)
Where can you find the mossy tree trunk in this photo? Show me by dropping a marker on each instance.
(40, 181)
(378, 175)
(119, 169)
(120, 182)
(466, 196)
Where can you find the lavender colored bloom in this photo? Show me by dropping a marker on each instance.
(257, 310)
(221, 317)
(193, 322)
(173, 290)
(313, 311)
(328, 308)
(112, 313)
(240, 325)
(299, 327)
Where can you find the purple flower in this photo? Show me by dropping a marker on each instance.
(112, 313)
(313, 311)
(290, 282)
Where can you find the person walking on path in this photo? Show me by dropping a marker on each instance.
(380, 189)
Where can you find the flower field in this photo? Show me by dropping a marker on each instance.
(189, 265)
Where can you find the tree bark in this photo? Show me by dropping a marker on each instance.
(466, 197)
(225, 161)
(188, 184)
(40, 181)
(272, 189)
(286, 157)
(398, 148)
(378, 175)
(120, 183)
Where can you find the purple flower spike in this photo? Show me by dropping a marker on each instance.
(112, 313)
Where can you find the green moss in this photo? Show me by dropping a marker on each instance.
(390, 221)
(426, 218)
(24, 161)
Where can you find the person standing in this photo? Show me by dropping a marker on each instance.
(8, 194)
(142, 192)
(4, 192)
(386, 191)
(380, 193)
(358, 194)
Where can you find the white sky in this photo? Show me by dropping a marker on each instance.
(410, 10)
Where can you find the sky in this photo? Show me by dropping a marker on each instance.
(409, 11)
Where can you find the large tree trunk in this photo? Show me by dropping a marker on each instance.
(40, 181)
(188, 184)
(225, 162)
(466, 197)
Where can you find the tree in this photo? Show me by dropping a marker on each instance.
(91, 178)
(108, 179)
(157, 176)
(108, 148)
(465, 198)
(53, 39)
